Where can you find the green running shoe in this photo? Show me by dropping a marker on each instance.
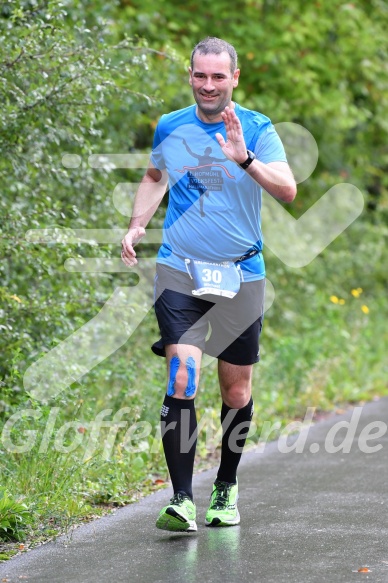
(223, 505)
(179, 515)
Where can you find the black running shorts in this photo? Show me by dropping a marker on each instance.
(226, 328)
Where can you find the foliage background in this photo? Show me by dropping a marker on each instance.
(84, 78)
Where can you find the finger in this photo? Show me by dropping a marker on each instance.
(235, 131)
(230, 114)
(128, 261)
(236, 123)
(226, 117)
(220, 139)
(230, 125)
(127, 249)
(233, 121)
(128, 255)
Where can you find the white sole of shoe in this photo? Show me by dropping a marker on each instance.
(233, 522)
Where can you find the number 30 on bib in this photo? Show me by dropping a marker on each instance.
(220, 279)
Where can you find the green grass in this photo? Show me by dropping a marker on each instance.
(322, 346)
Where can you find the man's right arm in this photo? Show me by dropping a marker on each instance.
(148, 197)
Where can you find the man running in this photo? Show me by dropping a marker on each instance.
(210, 270)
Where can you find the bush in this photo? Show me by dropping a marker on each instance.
(14, 517)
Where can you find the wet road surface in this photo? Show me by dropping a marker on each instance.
(314, 516)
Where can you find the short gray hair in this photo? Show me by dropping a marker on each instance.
(212, 45)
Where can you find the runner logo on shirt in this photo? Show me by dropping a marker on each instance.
(204, 177)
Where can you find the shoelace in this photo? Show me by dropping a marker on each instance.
(221, 498)
(178, 498)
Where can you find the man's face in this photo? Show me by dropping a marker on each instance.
(213, 84)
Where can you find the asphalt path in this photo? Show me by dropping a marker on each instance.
(315, 513)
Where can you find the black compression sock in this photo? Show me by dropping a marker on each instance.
(179, 436)
(232, 448)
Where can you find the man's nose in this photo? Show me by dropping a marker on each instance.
(208, 86)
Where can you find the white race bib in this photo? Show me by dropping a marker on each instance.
(209, 277)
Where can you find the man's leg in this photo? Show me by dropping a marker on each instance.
(236, 414)
(179, 424)
(179, 434)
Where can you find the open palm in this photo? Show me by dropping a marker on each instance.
(234, 147)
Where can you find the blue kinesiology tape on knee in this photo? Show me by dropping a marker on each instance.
(174, 365)
(190, 365)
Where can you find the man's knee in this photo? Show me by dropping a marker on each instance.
(182, 377)
(235, 384)
(237, 395)
(236, 401)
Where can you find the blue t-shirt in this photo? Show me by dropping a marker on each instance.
(214, 206)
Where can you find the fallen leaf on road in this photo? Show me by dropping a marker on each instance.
(364, 570)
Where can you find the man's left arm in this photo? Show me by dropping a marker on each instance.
(275, 177)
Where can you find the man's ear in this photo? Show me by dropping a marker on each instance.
(190, 76)
(236, 75)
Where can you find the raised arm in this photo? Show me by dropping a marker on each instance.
(186, 145)
(148, 197)
(276, 177)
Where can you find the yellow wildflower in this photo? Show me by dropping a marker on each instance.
(365, 309)
(334, 299)
(14, 297)
(341, 302)
(356, 292)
